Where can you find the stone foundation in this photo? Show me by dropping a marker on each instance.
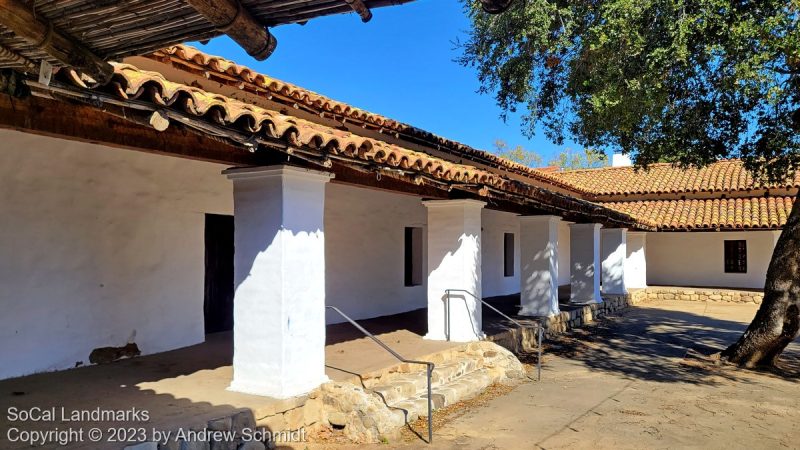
(575, 318)
(703, 294)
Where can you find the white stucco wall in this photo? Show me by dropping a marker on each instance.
(495, 224)
(697, 259)
(564, 267)
(364, 251)
(97, 246)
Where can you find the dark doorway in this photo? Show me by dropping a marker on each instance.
(218, 306)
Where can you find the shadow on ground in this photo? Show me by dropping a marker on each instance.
(651, 342)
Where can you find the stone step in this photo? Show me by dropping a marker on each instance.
(460, 388)
(444, 373)
(384, 401)
(409, 385)
(456, 376)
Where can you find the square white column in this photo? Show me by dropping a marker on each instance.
(585, 260)
(279, 280)
(636, 260)
(539, 260)
(613, 248)
(454, 263)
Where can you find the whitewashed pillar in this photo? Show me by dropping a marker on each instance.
(614, 252)
(279, 280)
(539, 259)
(636, 261)
(585, 261)
(454, 262)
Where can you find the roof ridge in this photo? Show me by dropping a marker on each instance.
(656, 164)
(722, 176)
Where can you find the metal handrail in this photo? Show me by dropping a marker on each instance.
(538, 326)
(429, 365)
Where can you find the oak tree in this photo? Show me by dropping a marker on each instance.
(686, 81)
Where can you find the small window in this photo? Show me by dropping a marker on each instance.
(413, 256)
(508, 254)
(735, 256)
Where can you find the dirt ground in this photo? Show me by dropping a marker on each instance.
(625, 383)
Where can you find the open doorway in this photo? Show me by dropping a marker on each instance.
(218, 305)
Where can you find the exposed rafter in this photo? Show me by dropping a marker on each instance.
(12, 56)
(233, 19)
(20, 19)
(362, 9)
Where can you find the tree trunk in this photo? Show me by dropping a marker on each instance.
(777, 322)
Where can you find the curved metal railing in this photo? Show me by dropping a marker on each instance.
(538, 326)
(429, 365)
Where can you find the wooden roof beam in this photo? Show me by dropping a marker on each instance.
(20, 19)
(233, 19)
(362, 9)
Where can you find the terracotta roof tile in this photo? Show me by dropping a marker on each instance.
(322, 104)
(726, 214)
(131, 83)
(723, 176)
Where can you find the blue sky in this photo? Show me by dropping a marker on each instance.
(400, 64)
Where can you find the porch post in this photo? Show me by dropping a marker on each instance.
(613, 254)
(539, 260)
(279, 280)
(636, 261)
(454, 262)
(585, 261)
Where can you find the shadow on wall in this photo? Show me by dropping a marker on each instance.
(458, 300)
(536, 285)
(615, 275)
(649, 343)
(451, 266)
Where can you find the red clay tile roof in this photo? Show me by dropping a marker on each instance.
(319, 104)
(666, 214)
(723, 176)
(664, 195)
(723, 214)
(131, 83)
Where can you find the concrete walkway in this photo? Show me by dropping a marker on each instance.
(187, 387)
(623, 384)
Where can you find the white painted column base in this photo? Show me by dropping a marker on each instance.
(539, 262)
(636, 260)
(585, 261)
(454, 262)
(279, 280)
(613, 254)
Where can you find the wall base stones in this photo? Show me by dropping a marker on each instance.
(704, 294)
(576, 316)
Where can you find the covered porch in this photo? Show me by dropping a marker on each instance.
(108, 248)
(189, 387)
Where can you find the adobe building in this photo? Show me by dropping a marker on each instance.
(193, 195)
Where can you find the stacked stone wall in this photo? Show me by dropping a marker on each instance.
(704, 294)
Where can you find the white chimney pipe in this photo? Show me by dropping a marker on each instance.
(620, 160)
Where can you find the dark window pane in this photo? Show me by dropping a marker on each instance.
(508, 254)
(736, 256)
(413, 256)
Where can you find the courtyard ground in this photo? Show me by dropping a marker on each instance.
(625, 383)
